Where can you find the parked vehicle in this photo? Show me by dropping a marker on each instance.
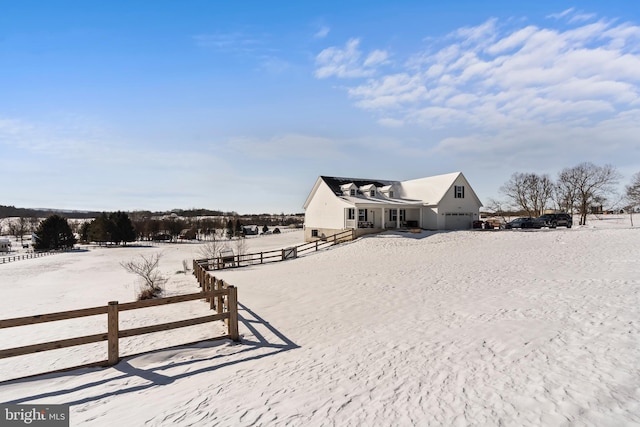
(557, 219)
(526, 222)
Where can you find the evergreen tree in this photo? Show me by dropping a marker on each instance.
(121, 228)
(54, 233)
(84, 232)
(229, 229)
(99, 229)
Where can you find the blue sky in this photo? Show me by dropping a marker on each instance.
(242, 105)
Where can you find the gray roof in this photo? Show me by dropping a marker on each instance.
(334, 183)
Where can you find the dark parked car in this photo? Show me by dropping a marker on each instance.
(527, 222)
(557, 219)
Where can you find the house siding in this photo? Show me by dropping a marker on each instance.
(450, 204)
(324, 213)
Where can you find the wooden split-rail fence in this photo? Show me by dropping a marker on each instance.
(10, 258)
(223, 298)
(226, 260)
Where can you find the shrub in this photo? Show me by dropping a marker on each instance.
(147, 269)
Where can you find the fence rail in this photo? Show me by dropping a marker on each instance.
(224, 299)
(216, 289)
(11, 258)
(278, 255)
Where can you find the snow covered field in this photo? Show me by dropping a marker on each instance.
(536, 327)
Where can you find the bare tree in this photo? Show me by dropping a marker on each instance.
(496, 208)
(633, 195)
(588, 184)
(147, 269)
(33, 223)
(633, 191)
(529, 192)
(211, 248)
(18, 227)
(241, 247)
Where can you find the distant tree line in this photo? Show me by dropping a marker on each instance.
(147, 225)
(114, 227)
(576, 189)
(12, 211)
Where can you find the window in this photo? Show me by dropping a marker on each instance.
(393, 215)
(314, 233)
(391, 194)
(352, 192)
(372, 193)
(362, 214)
(351, 213)
(459, 191)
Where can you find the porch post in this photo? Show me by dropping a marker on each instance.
(384, 218)
(397, 218)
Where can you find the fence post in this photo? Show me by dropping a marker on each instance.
(205, 287)
(112, 333)
(210, 289)
(316, 245)
(261, 254)
(219, 303)
(233, 313)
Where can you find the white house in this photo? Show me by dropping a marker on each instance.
(443, 202)
(5, 245)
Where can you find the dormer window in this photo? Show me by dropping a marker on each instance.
(368, 190)
(387, 190)
(349, 189)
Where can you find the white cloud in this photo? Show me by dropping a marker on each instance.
(515, 95)
(561, 14)
(487, 75)
(480, 34)
(347, 62)
(322, 32)
(376, 57)
(512, 41)
(581, 17)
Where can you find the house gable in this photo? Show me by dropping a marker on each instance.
(432, 190)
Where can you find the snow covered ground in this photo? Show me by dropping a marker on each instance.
(536, 327)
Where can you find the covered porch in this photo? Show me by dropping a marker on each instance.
(377, 218)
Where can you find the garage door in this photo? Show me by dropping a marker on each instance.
(457, 221)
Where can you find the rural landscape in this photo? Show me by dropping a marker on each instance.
(320, 213)
(526, 327)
